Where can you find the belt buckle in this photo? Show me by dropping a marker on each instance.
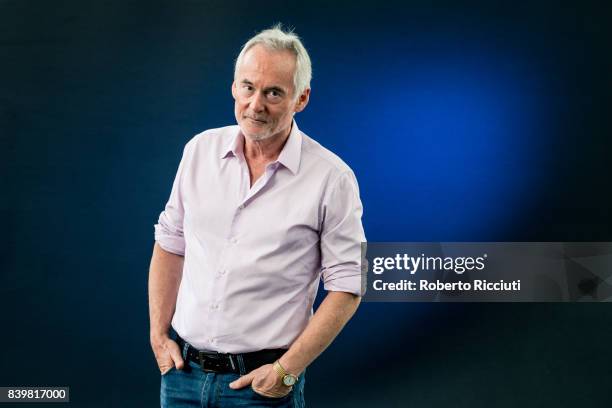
(213, 362)
(209, 362)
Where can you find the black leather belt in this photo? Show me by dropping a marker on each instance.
(227, 362)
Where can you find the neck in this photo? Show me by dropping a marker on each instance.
(266, 149)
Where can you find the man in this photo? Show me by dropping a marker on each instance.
(257, 213)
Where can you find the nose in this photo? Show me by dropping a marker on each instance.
(257, 103)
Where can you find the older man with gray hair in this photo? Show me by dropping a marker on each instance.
(258, 213)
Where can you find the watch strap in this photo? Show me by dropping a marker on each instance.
(282, 373)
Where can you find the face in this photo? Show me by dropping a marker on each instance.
(264, 94)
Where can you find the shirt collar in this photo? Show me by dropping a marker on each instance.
(289, 156)
(234, 145)
(292, 151)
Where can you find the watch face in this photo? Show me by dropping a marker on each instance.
(289, 380)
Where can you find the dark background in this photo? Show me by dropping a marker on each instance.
(471, 121)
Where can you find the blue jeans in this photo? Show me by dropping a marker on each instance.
(196, 388)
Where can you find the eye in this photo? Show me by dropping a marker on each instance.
(246, 89)
(274, 95)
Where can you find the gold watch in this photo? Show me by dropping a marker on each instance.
(286, 378)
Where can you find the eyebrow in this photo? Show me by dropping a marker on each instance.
(271, 88)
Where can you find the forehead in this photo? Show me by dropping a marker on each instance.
(260, 64)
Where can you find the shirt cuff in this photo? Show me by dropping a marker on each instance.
(344, 280)
(169, 241)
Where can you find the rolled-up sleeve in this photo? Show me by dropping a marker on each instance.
(341, 236)
(169, 227)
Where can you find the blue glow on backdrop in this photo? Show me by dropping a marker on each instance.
(446, 144)
(445, 147)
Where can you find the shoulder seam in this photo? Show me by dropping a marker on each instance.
(341, 166)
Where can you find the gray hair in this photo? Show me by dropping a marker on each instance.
(277, 39)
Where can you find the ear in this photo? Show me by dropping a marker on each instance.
(234, 89)
(302, 101)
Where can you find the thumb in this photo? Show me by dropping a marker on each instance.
(242, 381)
(175, 353)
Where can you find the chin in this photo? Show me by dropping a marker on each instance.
(255, 135)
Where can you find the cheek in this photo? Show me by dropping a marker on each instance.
(239, 106)
(281, 115)
(286, 117)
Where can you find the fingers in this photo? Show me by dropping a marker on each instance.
(265, 382)
(175, 354)
(272, 394)
(242, 381)
(168, 355)
(165, 365)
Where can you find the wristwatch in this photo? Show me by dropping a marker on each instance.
(286, 378)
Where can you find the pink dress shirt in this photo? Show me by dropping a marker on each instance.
(254, 255)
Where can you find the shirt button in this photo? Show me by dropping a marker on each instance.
(233, 240)
(222, 272)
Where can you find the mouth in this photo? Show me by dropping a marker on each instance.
(258, 121)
